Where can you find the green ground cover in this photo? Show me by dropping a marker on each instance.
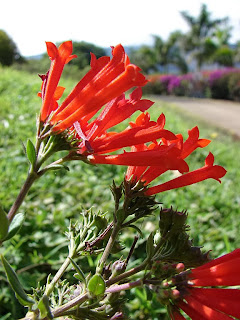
(41, 246)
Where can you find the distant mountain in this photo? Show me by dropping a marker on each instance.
(35, 57)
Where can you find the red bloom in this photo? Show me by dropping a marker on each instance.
(143, 130)
(107, 80)
(148, 162)
(50, 91)
(105, 84)
(210, 303)
(208, 171)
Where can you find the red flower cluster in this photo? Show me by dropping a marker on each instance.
(147, 162)
(107, 80)
(104, 86)
(210, 303)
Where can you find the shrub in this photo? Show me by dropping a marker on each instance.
(222, 84)
(217, 84)
(234, 86)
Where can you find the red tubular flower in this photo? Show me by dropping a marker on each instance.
(143, 130)
(210, 303)
(148, 162)
(208, 171)
(106, 80)
(105, 84)
(50, 92)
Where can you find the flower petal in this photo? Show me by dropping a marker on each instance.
(224, 300)
(206, 311)
(208, 171)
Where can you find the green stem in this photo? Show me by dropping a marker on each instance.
(50, 287)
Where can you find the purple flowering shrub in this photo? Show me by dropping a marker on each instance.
(217, 84)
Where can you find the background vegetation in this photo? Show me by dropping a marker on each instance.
(40, 246)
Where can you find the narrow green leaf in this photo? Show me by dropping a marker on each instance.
(4, 224)
(15, 226)
(31, 152)
(44, 307)
(21, 295)
(136, 228)
(58, 167)
(80, 273)
(149, 293)
(150, 246)
(96, 285)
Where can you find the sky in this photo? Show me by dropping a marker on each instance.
(103, 22)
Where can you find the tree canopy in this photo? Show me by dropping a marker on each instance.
(200, 41)
(82, 50)
(8, 50)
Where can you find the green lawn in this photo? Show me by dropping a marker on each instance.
(213, 208)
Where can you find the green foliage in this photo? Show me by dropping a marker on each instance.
(82, 50)
(4, 224)
(40, 247)
(226, 87)
(145, 58)
(203, 28)
(223, 56)
(161, 55)
(21, 295)
(15, 226)
(96, 285)
(8, 50)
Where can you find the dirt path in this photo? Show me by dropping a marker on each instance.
(220, 113)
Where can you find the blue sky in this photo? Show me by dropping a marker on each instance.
(103, 22)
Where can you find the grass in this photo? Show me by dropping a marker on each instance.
(213, 208)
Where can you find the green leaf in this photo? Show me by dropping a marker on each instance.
(15, 225)
(4, 224)
(96, 285)
(150, 246)
(149, 293)
(136, 228)
(44, 307)
(80, 274)
(31, 152)
(58, 167)
(21, 295)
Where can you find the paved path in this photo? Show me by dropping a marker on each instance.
(220, 113)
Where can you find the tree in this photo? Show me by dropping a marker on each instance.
(199, 41)
(82, 50)
(161, 54)
(8, 50)
(170, 51)
(145, 58)
(224, 56)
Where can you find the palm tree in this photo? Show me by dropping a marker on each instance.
(199, 41)
(170, 51)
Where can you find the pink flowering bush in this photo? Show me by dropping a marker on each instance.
(216, 84)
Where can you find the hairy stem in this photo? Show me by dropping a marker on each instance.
(125, 286)
(50, 287)
(32, 176)
(127, 274)
(108, 248)
(69, 305)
